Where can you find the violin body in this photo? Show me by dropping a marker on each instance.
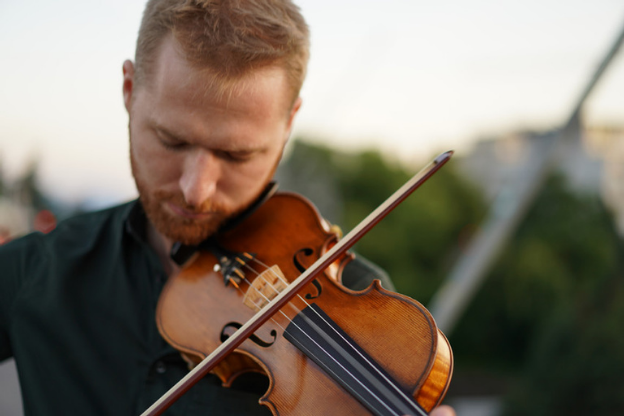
(395, 337)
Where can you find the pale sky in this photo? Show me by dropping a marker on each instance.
(410, 77)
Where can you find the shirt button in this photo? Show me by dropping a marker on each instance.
(161, 368)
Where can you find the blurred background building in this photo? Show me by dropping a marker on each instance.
(592, 162)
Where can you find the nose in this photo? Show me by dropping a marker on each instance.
(200, 175)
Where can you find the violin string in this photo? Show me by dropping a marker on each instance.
(344, 354)
(353, 348)
(336, 376)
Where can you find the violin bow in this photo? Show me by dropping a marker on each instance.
(227, 347)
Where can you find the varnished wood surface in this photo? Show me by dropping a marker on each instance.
(393, 329)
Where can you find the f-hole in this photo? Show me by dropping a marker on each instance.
(319, 289)
(307, 252)
(225, 334)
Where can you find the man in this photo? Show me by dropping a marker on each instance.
(211, 99)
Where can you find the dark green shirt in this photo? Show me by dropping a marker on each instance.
(77, 310)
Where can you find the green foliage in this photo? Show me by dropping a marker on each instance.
(576, 358)
(563, 248)
(552, 310)
(577, 362)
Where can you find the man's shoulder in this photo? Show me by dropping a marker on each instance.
(77, 230)
(360, 272)
(95, 219)
(34, 257)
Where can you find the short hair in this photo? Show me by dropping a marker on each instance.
(228, 37)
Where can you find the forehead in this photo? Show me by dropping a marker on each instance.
(190, 104)
(175, 78)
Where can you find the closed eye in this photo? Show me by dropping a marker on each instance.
(170, 142)
(236, 156)
(174, 145)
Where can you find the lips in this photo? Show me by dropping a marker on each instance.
(188, 214)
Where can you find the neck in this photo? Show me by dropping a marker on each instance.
(162, 246)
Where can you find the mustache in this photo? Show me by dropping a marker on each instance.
(207, 206)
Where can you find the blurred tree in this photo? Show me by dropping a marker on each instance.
(576, 359)
(576, 363)
(564, 246)
(552, 310)
(28, 190)
(417, 242)
(2, 184)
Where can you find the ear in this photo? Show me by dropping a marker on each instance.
(291, 117)
(128, 83)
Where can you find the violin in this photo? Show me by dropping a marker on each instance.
(265, 296)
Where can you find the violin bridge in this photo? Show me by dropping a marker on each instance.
(265, 288)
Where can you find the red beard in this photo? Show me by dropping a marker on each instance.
(190, 231)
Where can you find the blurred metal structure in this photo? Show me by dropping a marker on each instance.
(508, 210)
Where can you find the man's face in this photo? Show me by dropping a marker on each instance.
(197, 156)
